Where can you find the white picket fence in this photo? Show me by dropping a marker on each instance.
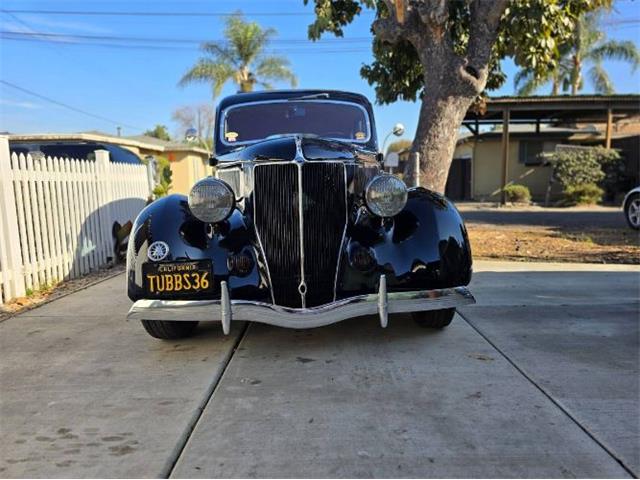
(57, 216)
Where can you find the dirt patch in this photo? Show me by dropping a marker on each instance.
(554, 244)
(59, 290)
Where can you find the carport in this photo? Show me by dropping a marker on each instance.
(549, 110)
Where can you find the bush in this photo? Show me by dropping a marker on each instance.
(517, 193)
(581, 167)
(576, 167)
(586, 194)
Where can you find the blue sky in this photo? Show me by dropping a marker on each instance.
(137, 88)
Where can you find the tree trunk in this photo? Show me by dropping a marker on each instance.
(436, 136)
(576, 77)
(451, 81)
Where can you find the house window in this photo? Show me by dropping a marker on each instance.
(531, 151)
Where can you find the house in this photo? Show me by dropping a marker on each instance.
(507, 134)
(477, 165)
(188, 162)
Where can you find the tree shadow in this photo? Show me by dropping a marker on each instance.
(103, 236)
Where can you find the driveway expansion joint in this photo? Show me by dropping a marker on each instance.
(183, 441)
(549, 396)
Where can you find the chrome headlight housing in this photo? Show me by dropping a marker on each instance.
(386, 195)
(211, 200)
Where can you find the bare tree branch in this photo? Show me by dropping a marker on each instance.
(433, 13)
(389, 30)
(485, 19)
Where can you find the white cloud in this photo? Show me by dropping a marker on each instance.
(57, 25)
(18, 104)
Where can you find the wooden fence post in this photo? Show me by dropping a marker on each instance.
(105, 197)
(10, 255)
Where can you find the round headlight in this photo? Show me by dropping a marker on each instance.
(211, 200)
(386, 195)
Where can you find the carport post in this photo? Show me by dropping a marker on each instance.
(607, 141)
(506, 118)
(415, 160)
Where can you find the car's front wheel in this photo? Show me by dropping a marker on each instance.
(168, 330)
(632, 211)
(434, 318)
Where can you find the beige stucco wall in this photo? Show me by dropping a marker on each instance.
(186, 169)
(464, 150)
(487, 170)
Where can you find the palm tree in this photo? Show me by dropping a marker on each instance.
(241, 59)
(588, 46)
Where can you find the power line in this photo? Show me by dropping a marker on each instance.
(120, 38)
(307, 50)
(113, 13)
(69, 107)
(116, 13)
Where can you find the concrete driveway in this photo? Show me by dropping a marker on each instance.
(540, 379)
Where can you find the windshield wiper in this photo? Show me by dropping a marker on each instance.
(308, 97)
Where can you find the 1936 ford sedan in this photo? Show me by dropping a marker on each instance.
(299, 228)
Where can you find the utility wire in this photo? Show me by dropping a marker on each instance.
(219, 14)
(309, 50)
(69, 107)
(113, 13)
(284, 41)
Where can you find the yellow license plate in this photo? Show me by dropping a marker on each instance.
(178, 278)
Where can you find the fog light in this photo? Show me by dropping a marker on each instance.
(361, 258)
(240, 264)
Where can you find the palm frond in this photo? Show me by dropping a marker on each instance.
(219, 52)
(275, 68)
(526, 83)
(207, 71)
(247, 39)
(614, 50)
(600, 80)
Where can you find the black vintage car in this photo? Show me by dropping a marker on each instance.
(299, 228)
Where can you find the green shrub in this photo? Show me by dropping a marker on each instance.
(580, 167)
(164, 174)
(586, 194)
(516, 193)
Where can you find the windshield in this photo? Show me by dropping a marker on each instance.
(257, 121)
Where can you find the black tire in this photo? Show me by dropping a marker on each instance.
(168, 330)
(632, 217)
(434, 318)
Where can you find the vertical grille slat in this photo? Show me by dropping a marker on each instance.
(276, 193)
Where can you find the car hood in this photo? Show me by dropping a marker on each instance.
(288, 149)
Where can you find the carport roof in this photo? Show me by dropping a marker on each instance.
(555, 109)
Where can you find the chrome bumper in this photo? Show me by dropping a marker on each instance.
(225, 310)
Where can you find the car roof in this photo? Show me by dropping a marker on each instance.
(267, 95)
(284, 94)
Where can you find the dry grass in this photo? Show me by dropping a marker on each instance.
(552, 244)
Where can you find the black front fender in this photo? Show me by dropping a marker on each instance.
(424, 247)
(170, 220)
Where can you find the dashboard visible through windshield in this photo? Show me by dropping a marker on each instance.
(251, 122)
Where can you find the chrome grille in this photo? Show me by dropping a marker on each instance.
(277, 199)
